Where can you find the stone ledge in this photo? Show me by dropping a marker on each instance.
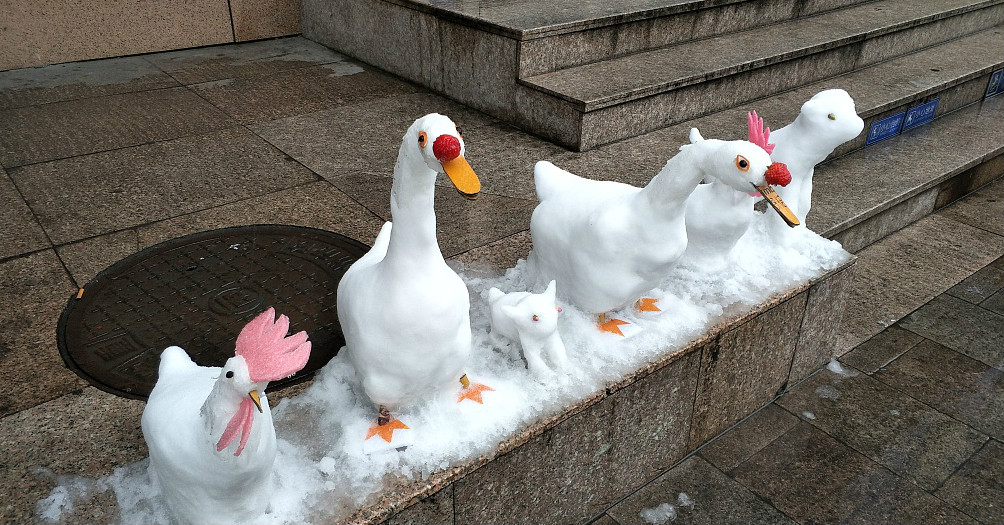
(640, 424)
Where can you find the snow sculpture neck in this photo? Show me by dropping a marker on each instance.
(413, 238)
(677, 179)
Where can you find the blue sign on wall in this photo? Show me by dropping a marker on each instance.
(885, 128)
(920, 115)
(996, 84)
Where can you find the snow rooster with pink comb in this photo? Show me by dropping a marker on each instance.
(209, 429)
(720, 211)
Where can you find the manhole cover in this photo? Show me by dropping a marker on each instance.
(197, 292)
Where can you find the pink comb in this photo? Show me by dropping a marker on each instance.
(758, 134)
(269, 354)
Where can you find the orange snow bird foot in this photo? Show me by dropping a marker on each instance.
(647, 304)
(386, 431)
(473, 392)
(612, 326)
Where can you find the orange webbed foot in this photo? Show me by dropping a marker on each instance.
(610, 325)
(472, 391)
(647, 304)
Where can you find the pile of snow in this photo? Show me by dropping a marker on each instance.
(321, 468)
(666, 512)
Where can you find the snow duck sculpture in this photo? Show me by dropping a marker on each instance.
(607, 243)
(404, 312)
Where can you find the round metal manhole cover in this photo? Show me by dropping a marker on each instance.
(197, 292)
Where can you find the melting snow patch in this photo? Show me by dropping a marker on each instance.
(664, 513)
(835, 367)
(828, 392)
(808, 415)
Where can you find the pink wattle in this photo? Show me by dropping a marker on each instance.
(242, 422)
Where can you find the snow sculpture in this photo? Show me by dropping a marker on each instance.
(826, 120)
(607, 243)
(532, 321)
(194, 416)
(404, 312)
(720, 211)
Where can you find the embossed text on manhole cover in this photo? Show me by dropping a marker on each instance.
(197, 292)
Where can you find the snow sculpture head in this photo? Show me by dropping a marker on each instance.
(263, 354)
(437, 141)
(531, 320)
(777, 174)
(739, 164)
(830, 119)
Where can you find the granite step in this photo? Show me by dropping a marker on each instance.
(630, 95)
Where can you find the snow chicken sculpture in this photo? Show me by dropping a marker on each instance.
(209, 429)
(720, 211)
(404, 312)
(607, 243)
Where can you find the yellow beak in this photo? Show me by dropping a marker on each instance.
(462, 176)
(779, 206)
(256, 398)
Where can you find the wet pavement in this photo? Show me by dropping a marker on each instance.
(102, 159)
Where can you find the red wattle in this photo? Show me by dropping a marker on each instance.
(778, 174)
(446, 148)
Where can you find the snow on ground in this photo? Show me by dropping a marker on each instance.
(321, 463)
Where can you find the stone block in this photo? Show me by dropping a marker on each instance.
(257, 19)
(817, 338)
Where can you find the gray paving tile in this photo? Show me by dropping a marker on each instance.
(978, 487)
(35, 291)
(85, 433)
(961, 326)
(995, 303)
(982, 209)
(22, 233)
(461, 224)
(299, 91)
(364, 137)
(717, 499)
(495, 257)
(979, 286)
(813, 478)
(59, 82)
(192, 66)
(77, 127)
(889, 427)
(956, 385)
(747, 438)
(905, 270)
(85, 259)
(315, 205)
(104, 192)
(878, 351)
(505, 158)
(604, 520)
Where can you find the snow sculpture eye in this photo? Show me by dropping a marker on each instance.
(742, 163)
(230, 374)
(535, 318)
(558, 308)
(831, 116)
(460, 132)
(422, 139)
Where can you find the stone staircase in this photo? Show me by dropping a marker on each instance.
(590, 76)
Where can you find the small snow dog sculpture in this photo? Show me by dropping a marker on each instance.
(532, 320)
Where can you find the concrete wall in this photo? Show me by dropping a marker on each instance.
(41, 32)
